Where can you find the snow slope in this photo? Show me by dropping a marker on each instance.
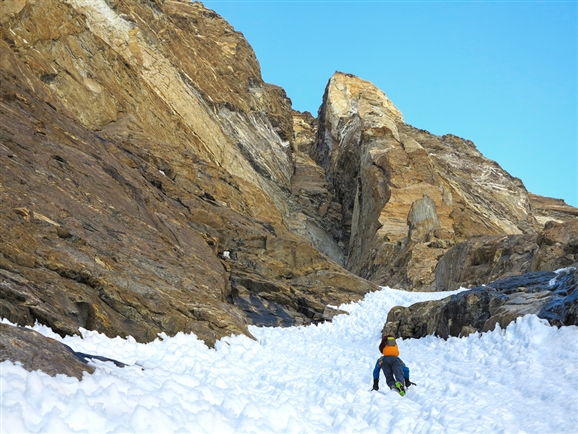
(314, 379)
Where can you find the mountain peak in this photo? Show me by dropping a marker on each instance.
(351, 92)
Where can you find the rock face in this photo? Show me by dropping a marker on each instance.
(549, 295)
(147, 177)
(484, 259)
(152, 182)
(408, 196)
(547, 209)
(315, 211)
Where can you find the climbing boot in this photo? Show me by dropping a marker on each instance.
(398, 387)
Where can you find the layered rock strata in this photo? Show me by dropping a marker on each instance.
(547, 209)
(152, 182)
(147, 177)
(488, 258)
(408, 196)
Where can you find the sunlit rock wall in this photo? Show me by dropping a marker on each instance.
(407, 195)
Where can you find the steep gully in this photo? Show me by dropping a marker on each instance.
(152, 182)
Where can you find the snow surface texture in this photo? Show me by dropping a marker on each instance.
(313, 379)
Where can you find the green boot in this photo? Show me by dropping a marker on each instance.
(399, 387)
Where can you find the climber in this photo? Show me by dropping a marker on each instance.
(404, 368)
(392, 366)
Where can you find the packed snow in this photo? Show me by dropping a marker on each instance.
(308, 379)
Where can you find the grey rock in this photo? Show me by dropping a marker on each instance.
(551, 296)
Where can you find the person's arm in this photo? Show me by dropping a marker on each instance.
(377, 369)
(405, 370)
(376, 374)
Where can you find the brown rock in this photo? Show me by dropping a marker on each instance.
(485, 259)
(138, 144)
(408, 196)
(548, 209)
(152, 182)
(39, 353)
(558, 246)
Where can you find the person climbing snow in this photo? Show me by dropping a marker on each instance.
(392, 367)
(377, 369)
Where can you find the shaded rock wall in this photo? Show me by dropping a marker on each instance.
(315, 210)
(551, 296)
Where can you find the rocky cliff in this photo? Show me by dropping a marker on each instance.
(151, 181)
(408, 197)
(147, 177)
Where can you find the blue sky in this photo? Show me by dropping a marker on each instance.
(502, 74)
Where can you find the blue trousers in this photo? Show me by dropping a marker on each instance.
(393, 369)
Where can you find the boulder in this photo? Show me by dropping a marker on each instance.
(549, 295)
(37, 352)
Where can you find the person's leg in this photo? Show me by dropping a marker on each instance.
(386, 367)
(398, 371)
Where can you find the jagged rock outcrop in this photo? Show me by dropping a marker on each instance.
(551, 296)
(547, 209)
(408, 196)
(147, 177)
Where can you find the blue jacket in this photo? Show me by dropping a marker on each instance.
(378, 368)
